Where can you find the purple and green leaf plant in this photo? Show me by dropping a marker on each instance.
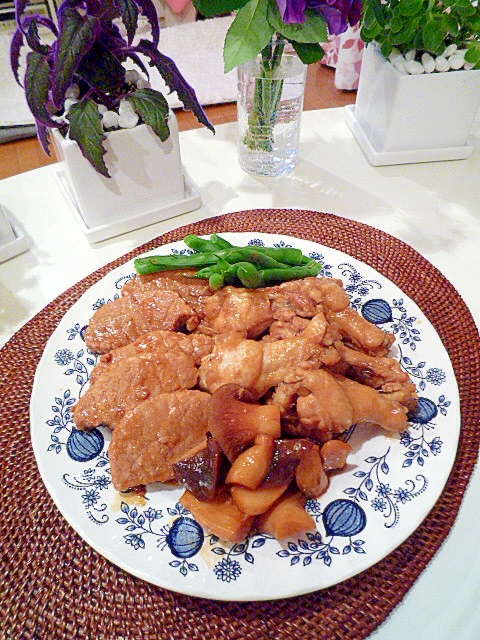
(89, 50)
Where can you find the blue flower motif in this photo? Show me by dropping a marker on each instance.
(227, 570)
(435, 445)
(102, 482)
(135, 540)
(90, 498)
(406, 439)
(383, 490)
(402, 495)
(379, 504)
(435, 376)
(63, 357)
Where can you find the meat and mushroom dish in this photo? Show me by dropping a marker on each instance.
(240, 396)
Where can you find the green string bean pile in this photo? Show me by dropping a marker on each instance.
(225, 264)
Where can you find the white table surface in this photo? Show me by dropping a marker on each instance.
(434, 207)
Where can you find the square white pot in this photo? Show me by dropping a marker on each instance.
(146, 174)
(412, 118)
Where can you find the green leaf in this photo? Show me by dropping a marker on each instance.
(314, 29)
(433, 34)
(208, 9)
(129, 15)
(86, 128)
(37, 76)
(308, 53)
(410, 7)
(248, 34)
(101, 70)
(76, 38)
(152, 107)
(473, 54)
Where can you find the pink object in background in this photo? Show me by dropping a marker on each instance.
(177, 6)
(344, 52)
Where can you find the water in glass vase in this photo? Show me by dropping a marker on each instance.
(269, 109)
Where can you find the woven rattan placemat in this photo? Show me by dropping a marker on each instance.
(54, 586)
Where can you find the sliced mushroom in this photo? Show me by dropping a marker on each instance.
(252, 465)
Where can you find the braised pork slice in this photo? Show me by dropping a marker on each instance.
(125, 319)
(128, 382)
(155, 435)
(182, 281)
(193, 344)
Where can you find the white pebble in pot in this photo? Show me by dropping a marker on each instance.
(110, 120)
(450, 50)
(128, 120)
(442, 64)
(456, 61)
(428, 63)
(414, 67)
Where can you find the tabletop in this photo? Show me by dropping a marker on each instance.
(433, 207)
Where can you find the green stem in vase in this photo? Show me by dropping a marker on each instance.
(266, 99)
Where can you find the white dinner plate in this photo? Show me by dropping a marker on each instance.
(390, 485)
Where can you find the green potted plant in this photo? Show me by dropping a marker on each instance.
(86, 83)
(419, 88)
(271, 42)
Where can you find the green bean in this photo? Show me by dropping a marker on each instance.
(223, 264)
(287, 255)
(272, 276)
(216, 281)
(203, 245)
(152, 264)
(249, 275)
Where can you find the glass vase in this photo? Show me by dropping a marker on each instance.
(269, 109)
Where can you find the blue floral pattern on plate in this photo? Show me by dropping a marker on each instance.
(366, 512)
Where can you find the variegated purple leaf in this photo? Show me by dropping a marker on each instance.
(15, 49)
(139, 62)
(37, 77)
(38, 19)
(43, 136)
(77, 36)
(174, 80)
(129, 15)
(148, 10)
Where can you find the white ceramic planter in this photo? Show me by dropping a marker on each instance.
(413, 118)
(147, 183)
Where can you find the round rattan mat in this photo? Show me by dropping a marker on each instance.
(54, 586)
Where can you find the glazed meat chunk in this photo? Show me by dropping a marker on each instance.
(327, 404)
(193, 344)
(122, 321)
(128, 382)
(192, 290)
(156, 434)
(361, 333)
(257, 365)
(246, 311)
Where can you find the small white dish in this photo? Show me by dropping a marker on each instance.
(12, 240)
